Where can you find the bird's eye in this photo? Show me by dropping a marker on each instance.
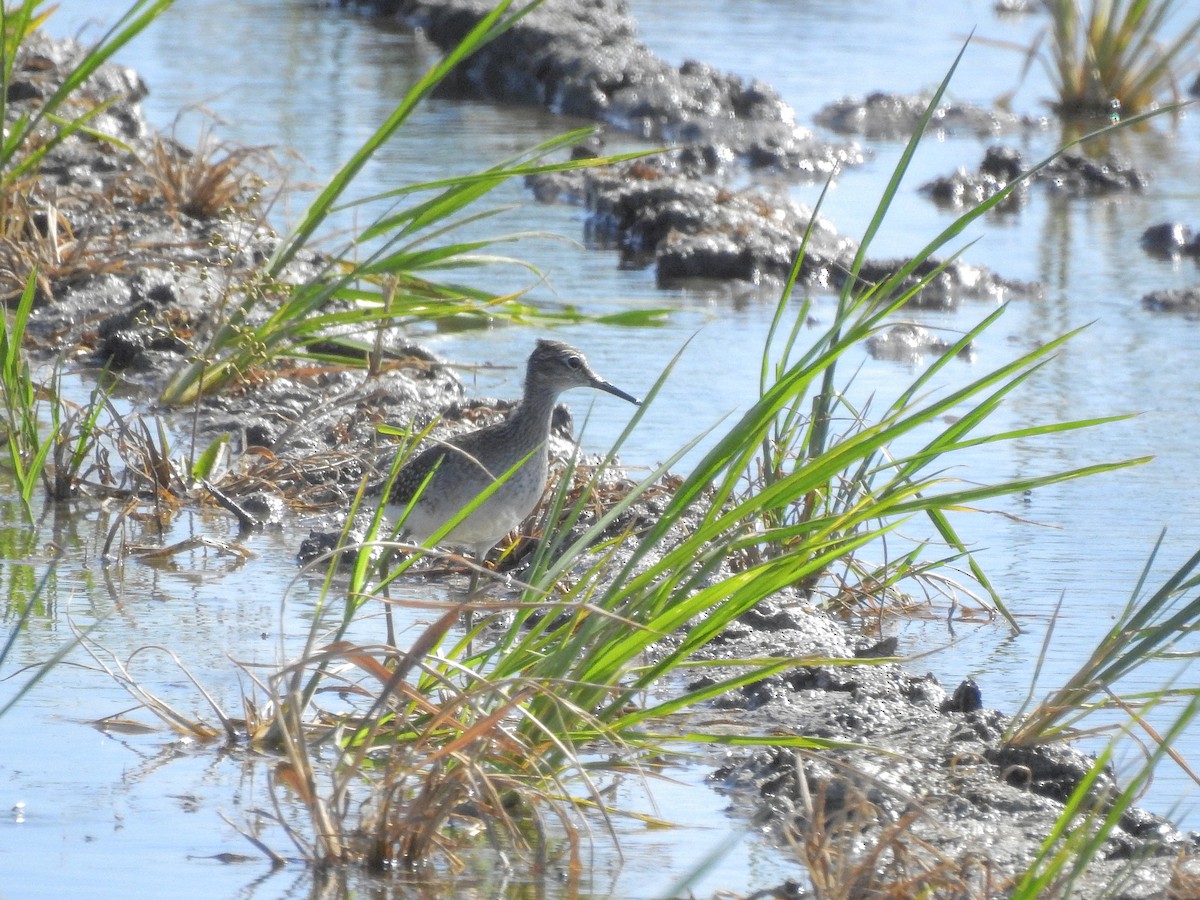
(573, 362)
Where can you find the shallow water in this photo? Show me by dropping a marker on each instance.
(291, 74)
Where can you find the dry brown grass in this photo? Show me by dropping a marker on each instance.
(1185, 878)
(69, 237)
(852, 848)
(420, 774)
(209, 181)
(37, 234)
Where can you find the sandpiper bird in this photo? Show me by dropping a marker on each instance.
(456, 471)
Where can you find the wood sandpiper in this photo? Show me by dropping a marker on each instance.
(456, 471)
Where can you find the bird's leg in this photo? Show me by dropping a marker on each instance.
(473, 584)
(480, 552)
(387, 557)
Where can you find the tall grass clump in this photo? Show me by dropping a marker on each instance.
(1105, 56)
(445, 741)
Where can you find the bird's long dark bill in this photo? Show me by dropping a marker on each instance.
(602, 385)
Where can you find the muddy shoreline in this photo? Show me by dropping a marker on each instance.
(145, 274)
